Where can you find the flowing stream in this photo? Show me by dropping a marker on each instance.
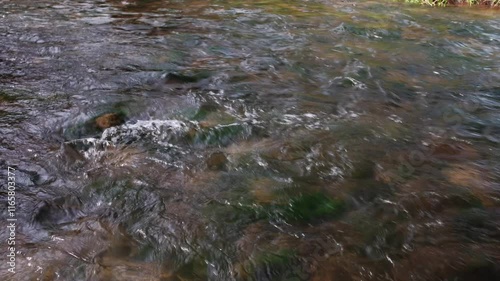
(259, 140)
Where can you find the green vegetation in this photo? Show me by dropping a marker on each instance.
(11, 96)
(6, 98)
(313, 206)
(442, 3)
(193, 270)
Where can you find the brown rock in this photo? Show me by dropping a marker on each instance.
(191, 133)
(453, 151)
(109, 120)
(206, 124)
(450, 263)
(263, 190)
(217, 161)
(465, 175)
(474, 179)
(331, 272)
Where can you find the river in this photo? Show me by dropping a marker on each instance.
(250, 140)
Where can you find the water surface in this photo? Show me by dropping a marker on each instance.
(257, 140)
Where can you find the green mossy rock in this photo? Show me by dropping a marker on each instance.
(313, 206)
(193, 270)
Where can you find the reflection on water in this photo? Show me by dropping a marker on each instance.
(262, 140)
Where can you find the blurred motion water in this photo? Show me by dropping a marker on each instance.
(250, 140)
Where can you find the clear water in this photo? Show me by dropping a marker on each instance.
(263, 140)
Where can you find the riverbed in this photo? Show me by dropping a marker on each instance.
(251, 140)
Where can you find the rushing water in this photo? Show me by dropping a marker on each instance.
(253, 140)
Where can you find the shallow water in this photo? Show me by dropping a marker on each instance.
(256, 140)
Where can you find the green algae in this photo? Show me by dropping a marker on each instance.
(314, 206)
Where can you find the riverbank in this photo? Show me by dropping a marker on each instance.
(443, 3)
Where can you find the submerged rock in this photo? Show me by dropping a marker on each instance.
(113, 145)
(364, 169)
(217, 161)
(155, 130)
(282, 264)
(448, 263)
(109, 120)
(313, 206)
(95, 125)
(264, 190)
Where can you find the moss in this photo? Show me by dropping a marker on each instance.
(313, 206)
(243, 208)
(176, 56)
(11, 117)
(146, 251)
(193, 270)
(10, 95)
(205, 110)
(6, 98)
(280, 257)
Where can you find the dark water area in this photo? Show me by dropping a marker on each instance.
(250, 140)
